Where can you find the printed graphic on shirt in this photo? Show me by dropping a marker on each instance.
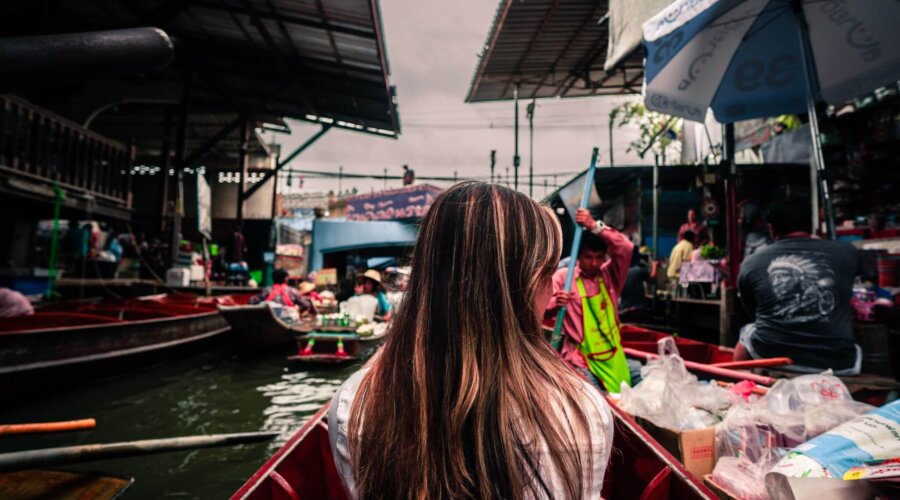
(803, 287)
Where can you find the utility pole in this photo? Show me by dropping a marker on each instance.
(507, 176)
(340, 178)
(611, 162)
(516, 152)
(530, 112)
(385, 179)
(545, 187)
(493, 163)
(454, 177)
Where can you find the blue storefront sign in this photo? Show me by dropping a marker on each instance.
(406, 203)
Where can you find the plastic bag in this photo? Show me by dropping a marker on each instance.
(754, 437)
(873, 436)
(740, 477)
(669, 396)
(806, 391)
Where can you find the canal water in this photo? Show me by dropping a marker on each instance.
(219, 390)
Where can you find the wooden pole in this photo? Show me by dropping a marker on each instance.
(51, 457)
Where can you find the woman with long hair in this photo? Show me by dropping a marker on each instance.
(466, 399)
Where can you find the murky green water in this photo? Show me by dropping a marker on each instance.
(216, 391)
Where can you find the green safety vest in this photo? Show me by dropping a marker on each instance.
(602, 344)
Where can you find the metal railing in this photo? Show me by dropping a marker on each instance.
(37, 144)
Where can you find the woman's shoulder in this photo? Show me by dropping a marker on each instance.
(339, 412)
(596, 408)
(338, 427)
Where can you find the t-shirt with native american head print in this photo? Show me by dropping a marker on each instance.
(798, 290)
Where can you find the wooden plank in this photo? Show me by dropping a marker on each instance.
(42, 484)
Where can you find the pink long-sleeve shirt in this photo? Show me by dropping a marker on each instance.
(613, 273)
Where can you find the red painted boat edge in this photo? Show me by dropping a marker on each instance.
(256, 480)
(671, 462)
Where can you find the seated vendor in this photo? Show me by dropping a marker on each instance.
(282, 293)
(369, 283)
(797, 290)
(308, 290)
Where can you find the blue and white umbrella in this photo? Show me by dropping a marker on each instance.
(755, 58)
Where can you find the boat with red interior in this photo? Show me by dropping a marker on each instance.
(639, 468)
(71, 339)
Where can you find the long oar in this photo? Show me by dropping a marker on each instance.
(49, 457)
(42, 427)
(573, 255)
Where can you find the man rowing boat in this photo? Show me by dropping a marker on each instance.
(592, 342)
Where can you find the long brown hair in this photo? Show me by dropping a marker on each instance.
(464, 399)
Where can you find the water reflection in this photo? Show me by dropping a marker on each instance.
(215, 391)
(294, 398)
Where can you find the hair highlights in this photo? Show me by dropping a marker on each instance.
(466, 398)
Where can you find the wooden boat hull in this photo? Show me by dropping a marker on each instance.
(324, 359)
(256, 326)
(60, 484)
(639, 468)
(70, 341)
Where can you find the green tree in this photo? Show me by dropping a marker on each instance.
(660, 133)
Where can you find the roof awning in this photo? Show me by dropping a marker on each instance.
(625, 20)
(551, 48)
(320, 61)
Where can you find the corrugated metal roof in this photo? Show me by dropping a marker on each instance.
(550, 48)
(321, 61)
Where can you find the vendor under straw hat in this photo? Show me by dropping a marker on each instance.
(373, 275)
(370, 284)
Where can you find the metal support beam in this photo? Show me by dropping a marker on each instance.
(164, 166)
(197, 154)
(731, 218)
(244, 159)
(180, 163)
(301, 148)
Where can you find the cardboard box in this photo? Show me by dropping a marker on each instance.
(696, 449)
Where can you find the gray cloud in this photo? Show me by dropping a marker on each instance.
(432, 49)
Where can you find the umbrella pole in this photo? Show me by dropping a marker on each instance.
(818, 158)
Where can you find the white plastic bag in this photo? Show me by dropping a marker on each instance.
(671, 397)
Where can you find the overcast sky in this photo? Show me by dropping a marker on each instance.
(432, 51)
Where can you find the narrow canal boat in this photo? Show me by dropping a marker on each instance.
(337, 347)
(712, 361)
(639, 468)
(257, 325)
(64, 341)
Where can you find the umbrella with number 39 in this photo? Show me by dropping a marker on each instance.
(757, 58)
